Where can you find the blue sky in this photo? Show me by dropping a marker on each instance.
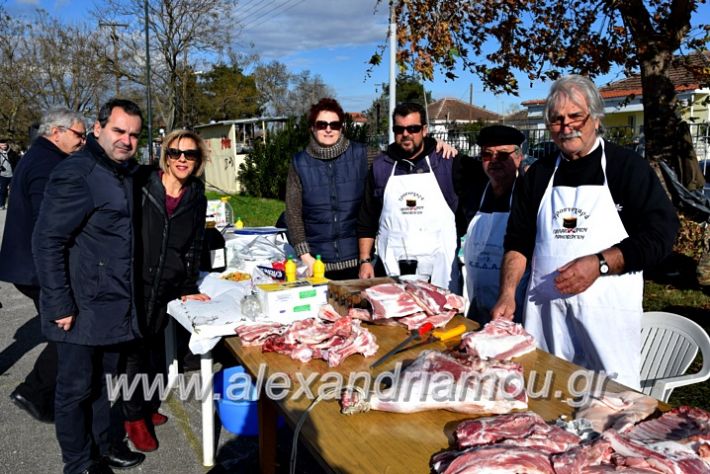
(332, 38)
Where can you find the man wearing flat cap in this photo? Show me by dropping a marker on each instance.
(483, 248)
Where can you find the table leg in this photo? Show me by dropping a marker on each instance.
(208, 441)
(171, 353)
(267, 434)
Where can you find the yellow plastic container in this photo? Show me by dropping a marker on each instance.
(239, 224)
(318, 268)
(290, 269)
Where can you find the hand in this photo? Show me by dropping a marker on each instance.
(366, 271)
(196, 297)
(65, 323)
(446, 150)
(308, 259)
(578, 275)
(504, 308)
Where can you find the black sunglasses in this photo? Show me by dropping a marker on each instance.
(190, 155)
(498, 155)
(322, 125)
(399, 129)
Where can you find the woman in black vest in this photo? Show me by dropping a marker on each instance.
(170, 210)
(325, 186)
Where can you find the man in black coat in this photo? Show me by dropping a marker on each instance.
(61, 133)
(83, 249)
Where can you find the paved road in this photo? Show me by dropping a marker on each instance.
(28, 446)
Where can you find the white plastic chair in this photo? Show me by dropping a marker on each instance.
(669, 344)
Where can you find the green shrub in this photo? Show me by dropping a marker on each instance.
(265, 168)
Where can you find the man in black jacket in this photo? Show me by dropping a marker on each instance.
(61, 132)
(590, 219)
(83, 250)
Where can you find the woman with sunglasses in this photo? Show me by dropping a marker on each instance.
(324, 189)
(170, 209)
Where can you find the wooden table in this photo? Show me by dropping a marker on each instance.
(381, 442)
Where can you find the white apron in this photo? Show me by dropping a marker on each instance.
(483, 255)
(599, 329)
(417, 223)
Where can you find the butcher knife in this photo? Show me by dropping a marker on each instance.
(414, 335)
(439, 335)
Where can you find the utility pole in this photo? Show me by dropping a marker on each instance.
(149, 104)
(114, 40)
(393, 63)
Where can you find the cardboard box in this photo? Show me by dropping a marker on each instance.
(290, 301)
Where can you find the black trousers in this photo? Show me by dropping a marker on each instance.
(82, 409)
(144, 359)
(40, 383)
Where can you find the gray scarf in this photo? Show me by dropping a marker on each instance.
(329, 152)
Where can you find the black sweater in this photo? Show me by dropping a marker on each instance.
(645, 210)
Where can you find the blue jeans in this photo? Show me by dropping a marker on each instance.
(81, 405)
(4, 184)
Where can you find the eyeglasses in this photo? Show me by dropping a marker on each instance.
(79, 135)
(322, 125)
(488, 155)
(399, 129)
(190, 155)
(576, 122)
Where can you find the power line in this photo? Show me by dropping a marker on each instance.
(258, 10)
(254, 24)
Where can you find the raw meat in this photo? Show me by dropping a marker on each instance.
(677, 424)
(328, 313)
(256, 334)
(389, 300)
(415, 321)
(617, 410)
(578, 458)
(498, 460)
(488, 430)
(448, 381)
(498, 339)
(669, 461)
(330, 339)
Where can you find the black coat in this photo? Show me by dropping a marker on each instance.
(168, 251)
(83, 249)
(28, 182)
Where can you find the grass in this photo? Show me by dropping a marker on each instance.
(255, 212)
(676, 294)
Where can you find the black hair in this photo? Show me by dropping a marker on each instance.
(128, 106)
(405, 108)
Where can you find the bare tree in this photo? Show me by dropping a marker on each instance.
(179, 30)
(272, 81)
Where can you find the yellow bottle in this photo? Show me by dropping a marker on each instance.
(290, 269)
(318, 268)
(239, 224)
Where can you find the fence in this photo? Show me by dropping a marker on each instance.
(538, 140)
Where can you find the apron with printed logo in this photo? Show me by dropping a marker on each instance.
(483, 255)
(417, 223)
(600, 328)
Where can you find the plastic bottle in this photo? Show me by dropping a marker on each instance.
(318, 268)
(214, 253)
(228, 211)
(290, 269)
(239, 224)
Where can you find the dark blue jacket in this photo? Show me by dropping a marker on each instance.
(83, 249)
(332, 193)
(28, 182)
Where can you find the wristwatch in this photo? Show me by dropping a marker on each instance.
(364, 260)
(603, 266)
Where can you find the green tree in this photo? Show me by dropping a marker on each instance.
(226, 93)
(409, 89)
(544, 39)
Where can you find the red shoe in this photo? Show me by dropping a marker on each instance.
(140, 435)
(158, 419)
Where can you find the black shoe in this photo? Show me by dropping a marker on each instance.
(30, 407)
(97, 468)
(120, 457)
